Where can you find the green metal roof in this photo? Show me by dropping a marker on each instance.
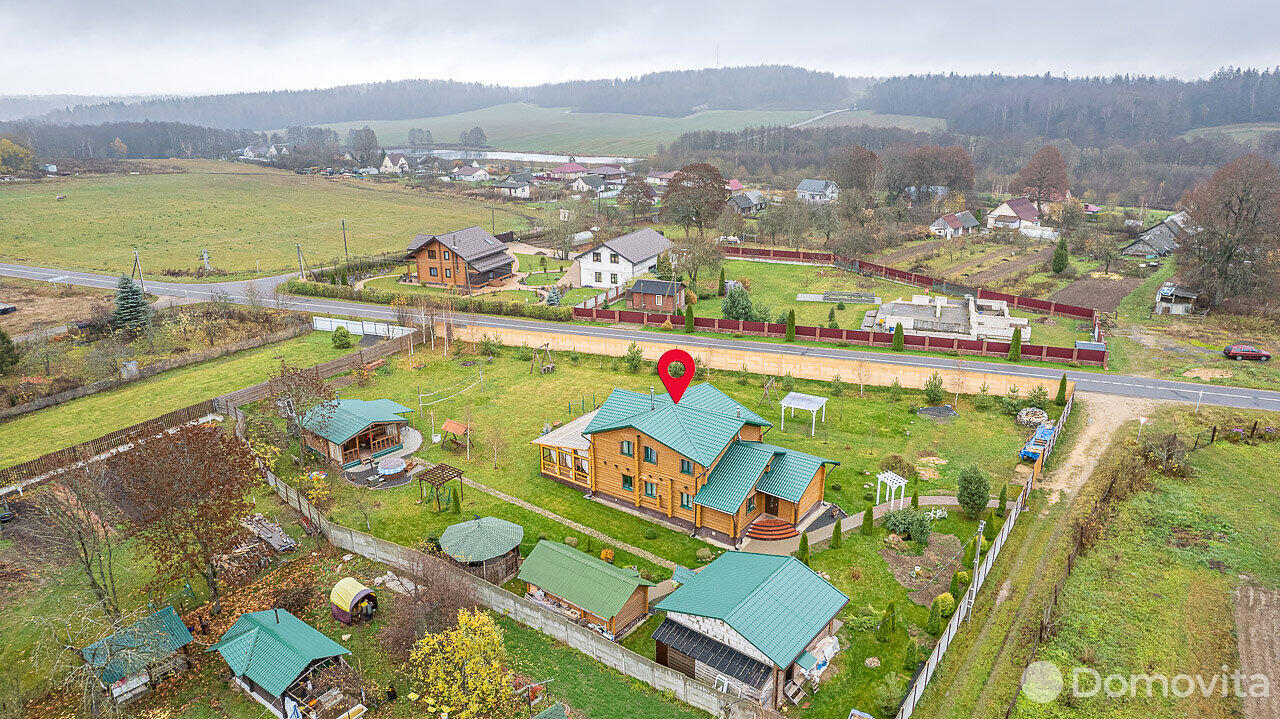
(806, 661)
(131, 649)
(578, 577)
(555, 711)
(776, 603)
(479, 540)
(273, 648)
(699, 427)
(341, 420)
(680, 575)
(742, 468)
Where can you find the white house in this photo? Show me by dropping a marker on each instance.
(467, 173)
(617, 261)
(817, 192)
(277, 150)
(567, 171)
(1014, 214)
(588, 183)
(394, 162)
(660, 179)
(957, 223)
(513, 188)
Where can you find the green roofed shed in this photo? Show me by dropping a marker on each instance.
(137, 648)
(351, 431)
(272, 648)
(480, 540)
(555, 711)
(613, 594)
(776, 603)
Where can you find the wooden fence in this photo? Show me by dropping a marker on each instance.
(965, 608)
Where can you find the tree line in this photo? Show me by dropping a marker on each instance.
(128, 140)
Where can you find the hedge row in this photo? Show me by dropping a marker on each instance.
(477, 304)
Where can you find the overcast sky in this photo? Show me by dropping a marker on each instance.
(179, 46)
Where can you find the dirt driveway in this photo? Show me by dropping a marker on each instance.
(1103, 415)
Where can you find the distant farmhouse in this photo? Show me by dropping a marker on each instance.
(660, 179)
(469, 173)
(462, 259)
(954, 224)
(514, 188)
(817, 192)
(1161, 239)
(618, 260)
(1020, 214)
(567, 171)
(748, 203)
(394, 162)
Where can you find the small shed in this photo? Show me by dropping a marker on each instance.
(487, 547)
(608, 599)
(131, 660)
(350, 601)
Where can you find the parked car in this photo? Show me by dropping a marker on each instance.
(1243, 352)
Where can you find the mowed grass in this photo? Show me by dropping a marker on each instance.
(247, 217)
(31, 435)
(1155, 595)
(917, 123)
(529, 128)
(1245, 132)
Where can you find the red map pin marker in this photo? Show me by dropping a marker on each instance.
(675, 385)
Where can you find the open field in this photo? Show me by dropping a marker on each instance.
(392, 283)
(1245, 132)
(529, 128)
(1155, 595)
(42, 304)
(46, 430)
(241, 214)
(917, 123)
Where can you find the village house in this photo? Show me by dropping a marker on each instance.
(349, 432)
(756, 626)
(660, 179)
(748, 203)
(733, 186)
(463, 259)
(607, 599)
(394, 162)
(656, 296)
(470, 173)
(611, 174)
(588, 183)
(700, 464)
(1161, 239)
(1175, 299)
(1014, 214)
(514, 188)
(954, 224)
(567, 171)
(277, 150)
(817, 192)
(618, 260)
(130, 662)
(272, 653)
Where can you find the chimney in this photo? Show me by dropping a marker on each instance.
(651, 399)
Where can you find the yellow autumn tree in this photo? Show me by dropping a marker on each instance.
(465, 671)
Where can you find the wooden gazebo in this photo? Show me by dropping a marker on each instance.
(438, 476)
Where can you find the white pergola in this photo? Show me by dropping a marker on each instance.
(810, 402)
(896, 485)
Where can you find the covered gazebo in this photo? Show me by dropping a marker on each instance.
(351, 432)
(810, 402)
(351, 601)
(487, 547)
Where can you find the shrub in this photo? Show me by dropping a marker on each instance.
(634, 358)
(911, 659)
(688, 318)
(524, 353)
(1015, 346)
(341, 338)
(802, 552)
(974, 491)
(983, 400)
(899, 341)
(900, 466)
(915, 497)
(868, 522)
(837, 535)
(863, 623)
(787, 383)
(574, 356)
(934, 624)
(970, 550)
(868, 496)
(1004, 500)
(910, 523)
(946, 604)
(992, 527)
(667, 326)
(571, 540)
(1061, 399)
(1038, 397)
(954, 589)
(791, 325)
(704, 554)
(650, 533)
(489, 346)
(837, 386)
(831, 315)
(606, 555)
(895, 390)
(839, 305)
(888, 693)
(836, 487)
(933, 391)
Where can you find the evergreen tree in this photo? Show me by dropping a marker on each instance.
(802, 553)
(912, 658)
(8, 352)
(934, 625)
(791, 325)
(455, 503)
(992, 527)
(1061, 399)
(132, 312)
(868, 522)
(1015, 346)
(837, 535)
(899, 338)
(955, 584)
(720, 290)
(1060, 257)
(970, 552)
(831, 315)
(915, 496)
(688, 319)
(1004, 499)
(974, 491)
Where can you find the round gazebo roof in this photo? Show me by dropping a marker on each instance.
(480, 540)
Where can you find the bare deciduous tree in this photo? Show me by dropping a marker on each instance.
(80, 524)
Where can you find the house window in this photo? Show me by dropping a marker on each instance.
(686, 466)
(490, 274)
(613, 257)
(433, 271)
(613, 278)
(650, 455)
(751, 503)
(446, 254)
(628, 448)
(595, 256)
(650, 489)
(431, 254)
(599, 277)
(657, 301)
(448, 272)
(628, 483)
(686, 500)
(547, 455)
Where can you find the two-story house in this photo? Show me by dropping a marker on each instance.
(817, 192)
(463, 259)
(618, 260)
(701, 464)
(394, 162)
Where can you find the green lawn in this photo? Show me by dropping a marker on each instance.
(63, 425)
(393, 284)
(543, 278)
(579, 294)
(534, 263)
(916, 123)
(1245, 132)
(519, 126)
(243, 215)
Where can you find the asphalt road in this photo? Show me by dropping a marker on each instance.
(1102, 383)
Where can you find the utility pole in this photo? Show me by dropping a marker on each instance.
(345, 255)
(302, 274)
(137, 267)
(493, 220)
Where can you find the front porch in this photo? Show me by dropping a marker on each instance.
(373, 443)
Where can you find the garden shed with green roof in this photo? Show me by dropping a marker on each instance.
(271, 652)
(487, 547)
(131, 660)
(611, 600)
(349, 432)
(757, 625)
